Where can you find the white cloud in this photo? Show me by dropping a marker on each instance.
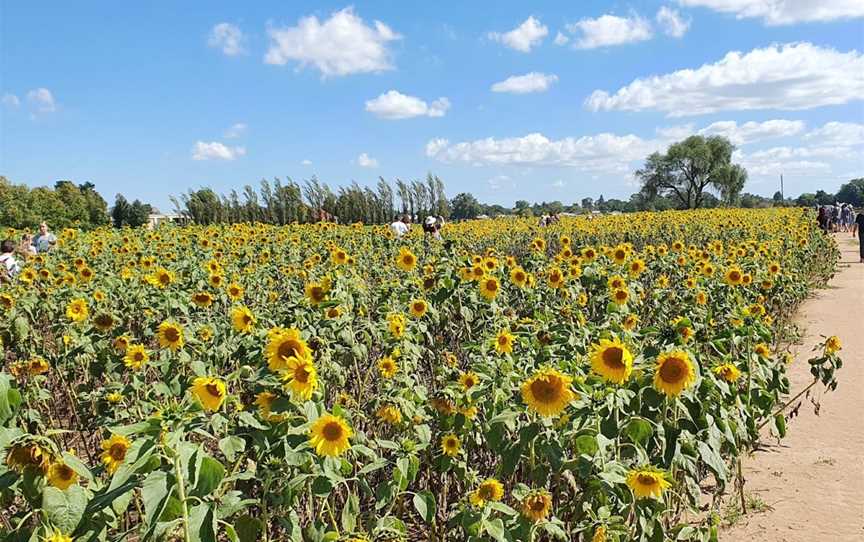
(216, 151)
(364, 160)
(341, 45)
(10, 100)
(523, 38)
(394, 105)
(671, 22)
(601, 152)
(784, 12)
(675, 132)
(750, 132)
(236, 130)
(608, 30)
(790, 77)
(497, 181)
(306, 163)
(843, 134)
(558, 184)
(42, 100)
(227, 37)
(561, 39)
(524, 84)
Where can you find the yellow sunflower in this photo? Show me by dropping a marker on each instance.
(519, 277)
(170, 335)
(388, 367)
(316, 292)
(242, 319)
(210, 392)
(114, 452)
(283, 345)
(419, 308)
(612, 360)
(406, 260)
(647, 482)
(489, 288)
(548, 392)
(300, 377)
(58, 536)
(537, 505)
(620, 297)
(762, 350)
(396, 323)
(61, 475)
(389, 414)
(832, 344)
(490, 490)
(235, 291)
(77, 310)
(329, 436)
(451, 445)
(674, 372)
(468, 380)
(136, 356)
(733, 276)
(504, 342)
(727, 372)
(202, 299)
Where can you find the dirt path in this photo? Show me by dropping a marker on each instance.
(813, 481)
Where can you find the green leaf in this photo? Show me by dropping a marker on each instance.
(231, 446)
(247, 528)
(202, 524)
(712, 459)
(350, 512)
(155, 492)
(586, 444)
(248, 420)
(210, 475)
(64, 509)
(424, 503)
(10, 398)
(78, 466)
(495, 528)
(639, 430)
(780, 425)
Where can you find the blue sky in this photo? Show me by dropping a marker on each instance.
(511, 100)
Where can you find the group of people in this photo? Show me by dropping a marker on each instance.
(28, 246)
(836, 218)
(548, 220)
(432, 226)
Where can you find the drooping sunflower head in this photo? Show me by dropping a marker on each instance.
(37, 366)
(300, 377)
(537, 505)
(832, 344)
(114, 452)
(674, 372)
(103, 321)
(170, 335)
(451, 445)
(242, 319)
(27, 454)
(490, 490)
(283, 345)
(548, 392)
(210, 392)
(647, 482)
(612, 360)
(727, 372)
(762, 350)
(489, 288)
(329, 436)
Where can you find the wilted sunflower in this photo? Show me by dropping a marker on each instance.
(406, 260)
(548, 392)
(419, 308)
(612, 360)
(210, 392)
(300, 377)
(61, 475)
(504, 342)
(7, 301)
(329, 436)
(396, 323)
(674, 372)
(727, 372)
(537, 505)
(647, 482)
(114, 452)
(103, 321)
(283, 345)
(451, 445)
(136, 356)
(832, 344)
(170, 335)
(77, 310)
(242, 319)
(23, 455)
(388, 367)
(389, 414)
(489, 288)
(490, 490)
(762, 350)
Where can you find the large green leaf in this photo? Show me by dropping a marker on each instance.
(155, 492)
(64, 509)
(210, 475)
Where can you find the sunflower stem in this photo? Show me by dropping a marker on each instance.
(181, 493)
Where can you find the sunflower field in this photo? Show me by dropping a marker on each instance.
(595, 380)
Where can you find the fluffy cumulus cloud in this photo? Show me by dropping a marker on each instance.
(750, 132)
(601, 152)
(524, 37)
(671, 22)
(842, 134)
(236, 130)
(789, 77)
(341, 45)
(364, 160)
(394, 105)
(524, 84)
(561, 39)
(42, 100)
(609, 30)
(10, 100)
(784, 12)
(215, 150)
(228, 38)
(306, 162)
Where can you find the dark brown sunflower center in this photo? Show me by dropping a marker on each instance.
(332, 431)
(613, 357)
(289, 349)
(672, 370)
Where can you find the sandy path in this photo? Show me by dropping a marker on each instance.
(814, 480)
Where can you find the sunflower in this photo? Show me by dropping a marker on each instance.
(7, 301)
(727, 372)
(555, 278)
(114, 452)
(235, 291)
(389, 414)
(519, 277)
(599, 534)
(77, 310)
(406, 260)
(774, 268)
(329, 436)
(451, 445)
(136, 356)
(489, 288)
(103, 322)
(316, 293)
(548, 392)
(22, 456)
(762, 350)
(242, 319)
(674, 372)
(636, 267)
(504, 342)
(396, 323)
(61, 475)
(58, 536)
(216, 280)
(468, 380)
(202, 299)
(619, 254)
(733, 276)
(418, 308)
(612, 360)
(647, 482)
(832, 344)
(617, 282)
(537, 505)
(588, 254)
(388, 367)
(300, 377)
(630, 322)
(490, 490)
(121, 343)
(620, 297)
(265, 400)
(283, 345)
(170, 335)
(210, 392)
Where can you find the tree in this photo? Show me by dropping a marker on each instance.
(138, 213)
(464, 206)
(688, 168)
(777, 198)
(588, 204)
(852, 192)
(824, 198)
(806, 200)
(120, 211)
(731, 180)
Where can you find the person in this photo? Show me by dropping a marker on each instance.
(431, 227)
(46, 240)
(822, 218)
(858, 227)
(8, 264)
(26, 248)
(401, 227)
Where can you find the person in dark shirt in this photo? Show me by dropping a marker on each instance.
(858, 228)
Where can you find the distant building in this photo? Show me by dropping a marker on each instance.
(154, 219)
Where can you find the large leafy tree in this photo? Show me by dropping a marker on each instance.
(852, 192)
(464, 206)
(688, 168)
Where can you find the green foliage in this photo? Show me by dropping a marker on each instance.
(66, 205)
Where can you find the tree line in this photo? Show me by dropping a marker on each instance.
(64, 205)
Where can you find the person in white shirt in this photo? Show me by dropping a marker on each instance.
(7, 258)
(401, 227)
